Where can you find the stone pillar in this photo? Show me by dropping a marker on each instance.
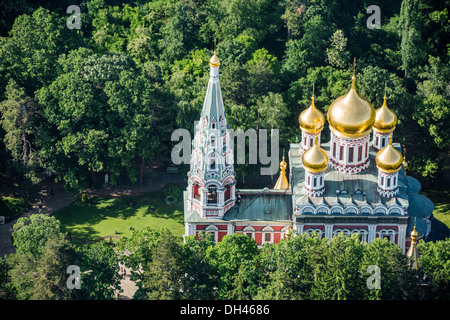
(328, 231)
(372, 233)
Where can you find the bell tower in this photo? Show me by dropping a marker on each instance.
(211, 179)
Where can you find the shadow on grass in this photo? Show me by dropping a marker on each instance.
(82, 220)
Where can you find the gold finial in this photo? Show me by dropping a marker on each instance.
(288, 232)
(214, 61)
(354, 72)
(385, 97)
(414, 233)
(282, 182)
(390, 138)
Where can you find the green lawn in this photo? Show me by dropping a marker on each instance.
(117, 217)
(441, 200)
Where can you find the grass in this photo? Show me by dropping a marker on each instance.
(103, 217)
(441, 200)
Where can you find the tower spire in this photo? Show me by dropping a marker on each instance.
(282, 182)
(354, 77)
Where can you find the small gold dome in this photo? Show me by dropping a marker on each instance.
(214, 61)
(385, 118)
(350, 115)
(315, 159)
(389, 159)
(312, 119)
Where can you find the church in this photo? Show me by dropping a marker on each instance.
(355, 183)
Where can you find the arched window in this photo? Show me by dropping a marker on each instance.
(212, 195)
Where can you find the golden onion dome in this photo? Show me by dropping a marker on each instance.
(214, 61)
(312, 119)
(315, 159)
(350, 115)
(389, 159)
(385, 118)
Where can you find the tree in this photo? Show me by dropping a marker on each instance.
(337, 55)
(137, 251)
(43, 277)
(410, 28)
(397, 281)
(164, 275)
(227, 257)
(30, 53)
(434, 262)
(101, 113)
(336, 272)
(6, 290)
(200, 278)
(30, 234)
(20, 115)
(287, 273)
(100, 277)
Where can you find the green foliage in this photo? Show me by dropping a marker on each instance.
(100, 277)
(434, 261)
(227, 257)
(30, 234)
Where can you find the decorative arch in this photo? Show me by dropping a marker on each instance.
(308, 209)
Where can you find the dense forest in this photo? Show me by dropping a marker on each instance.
(76, 103)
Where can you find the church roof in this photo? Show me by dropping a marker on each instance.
(359, 189)
(259, 205)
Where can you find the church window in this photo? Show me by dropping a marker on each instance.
(267, 237)
(383, 142)
(388, 182)
(350, 154)
(311, 142)
(213, 141)
(334, 149)
(314, 181)
(376, 140)
(359, 153)
(341, 152)
(309, 181)
(321, 180)
(394, 181)
(382, 180)
(213, 164)
(367, 148)
(227, 193)
(196, 193)
(212, 195)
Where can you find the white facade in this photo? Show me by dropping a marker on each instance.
(380, 140)
(349, 155)
(314, 183)
(308, 140)
(387, 184)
